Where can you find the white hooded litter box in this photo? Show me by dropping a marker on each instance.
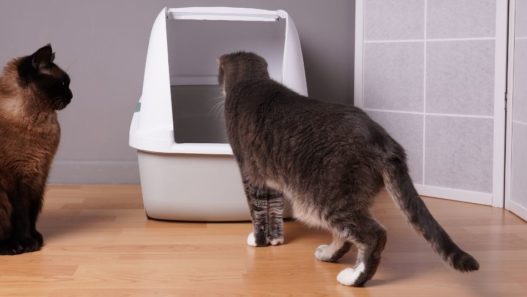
(186, 165)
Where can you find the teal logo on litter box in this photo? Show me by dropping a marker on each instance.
(138, 107)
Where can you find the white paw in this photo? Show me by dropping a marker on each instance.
(320, 252)
(277, 241)
(251, 241)
(323, 253)
(349, 276)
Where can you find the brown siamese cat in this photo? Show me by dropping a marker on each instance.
(32, 89)
(328, 160)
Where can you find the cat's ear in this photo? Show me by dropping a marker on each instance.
(43, 57)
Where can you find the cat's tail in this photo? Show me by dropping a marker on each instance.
(5, 215)
(400, 186)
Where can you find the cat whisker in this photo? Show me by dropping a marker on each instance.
(217, 108)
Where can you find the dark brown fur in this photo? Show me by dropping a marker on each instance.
(32, 88)
(328, 160)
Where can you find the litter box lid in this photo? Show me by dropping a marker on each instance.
(151, 128)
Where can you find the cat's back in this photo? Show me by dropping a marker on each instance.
(288, 113)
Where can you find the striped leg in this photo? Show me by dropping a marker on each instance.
(257, 199)
(276, 217)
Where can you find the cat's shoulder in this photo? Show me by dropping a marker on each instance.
(258, 86)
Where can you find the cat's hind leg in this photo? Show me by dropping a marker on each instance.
(370, 238)
(334, 251)
(5, 215)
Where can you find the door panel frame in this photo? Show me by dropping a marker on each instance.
(510, 204)
(497, 197)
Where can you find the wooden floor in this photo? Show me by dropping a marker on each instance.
(99, 243)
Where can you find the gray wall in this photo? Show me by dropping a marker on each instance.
(102, 44)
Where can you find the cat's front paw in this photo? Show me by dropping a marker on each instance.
(9, 247)
(253, 240)
(277, 241)
(15, 247)
(38, 237)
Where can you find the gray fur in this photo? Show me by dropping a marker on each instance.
(328, 160)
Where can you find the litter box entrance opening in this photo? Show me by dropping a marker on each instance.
(193, 46)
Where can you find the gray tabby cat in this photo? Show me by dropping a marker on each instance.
(328, 160)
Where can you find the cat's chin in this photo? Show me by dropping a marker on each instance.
(61, 105)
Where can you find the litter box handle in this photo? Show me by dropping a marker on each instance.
(224, 14)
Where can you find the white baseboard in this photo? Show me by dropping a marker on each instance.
(94, 172)
(455, 194)
(517, 209)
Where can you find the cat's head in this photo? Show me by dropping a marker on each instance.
(48, 82)
(240, 66)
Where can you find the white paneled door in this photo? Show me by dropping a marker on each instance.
(516, 169)
(433, 73)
